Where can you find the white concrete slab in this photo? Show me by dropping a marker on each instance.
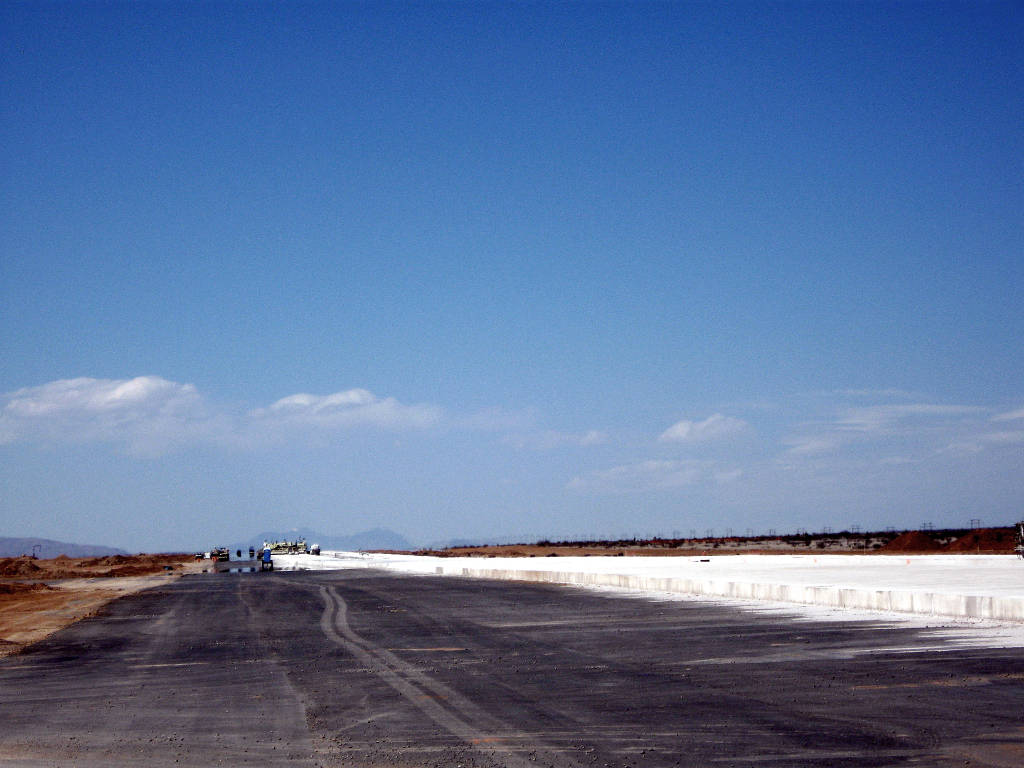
(987, 587)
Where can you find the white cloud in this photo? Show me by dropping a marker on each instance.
(1011, 416)
(99, 396)
(352, 407)
(980, 442)
(810, 445)
(896, 461)
(961, 448)
(151, 415)
(544, 441)
(496, 420)
(146, 413)
(652, 474)
(712, 428)
(890, 393)
(728, 475)
(916, 430)
(1008, 437)
(880, 417)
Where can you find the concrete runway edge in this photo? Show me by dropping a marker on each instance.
(997, 608)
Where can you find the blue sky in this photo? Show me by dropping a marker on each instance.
(488, 270)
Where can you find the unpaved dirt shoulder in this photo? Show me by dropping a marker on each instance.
(29, 615)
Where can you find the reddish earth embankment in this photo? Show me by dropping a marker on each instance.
(985, 541)
(917, 542)
(88, 567)
(38, 597)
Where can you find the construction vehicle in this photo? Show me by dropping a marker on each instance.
(286, 547)
(1019, 549)
(220, 554)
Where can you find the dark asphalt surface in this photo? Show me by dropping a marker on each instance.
(361, 668)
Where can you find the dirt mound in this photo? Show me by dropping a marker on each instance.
(912, 541)
(132, 570)
(108, 560)
(19, 566)
(91, 567)
(990, 540)
(17, 588)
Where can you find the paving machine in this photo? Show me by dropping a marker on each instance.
(286, 547)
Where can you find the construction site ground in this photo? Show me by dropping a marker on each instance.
(362, 667)
(38, 597)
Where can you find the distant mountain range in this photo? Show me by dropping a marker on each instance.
(48, 548)
(376, 538)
